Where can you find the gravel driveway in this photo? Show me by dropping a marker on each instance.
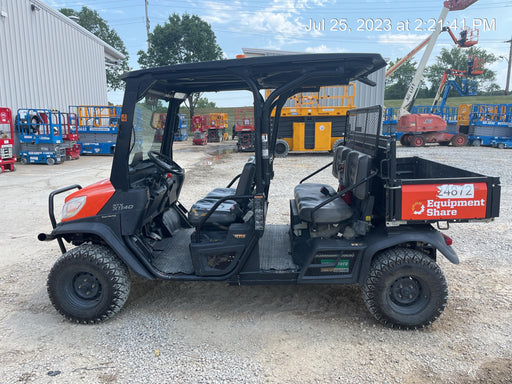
(178, 332)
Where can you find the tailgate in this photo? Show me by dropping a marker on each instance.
(425, 191)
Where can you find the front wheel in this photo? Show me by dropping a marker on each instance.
(88, 284)
(405, 289)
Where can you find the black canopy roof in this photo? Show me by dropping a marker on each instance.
(269, 72)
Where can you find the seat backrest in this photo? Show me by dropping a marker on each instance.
(246, 181)
(338, 165)
(357, 167)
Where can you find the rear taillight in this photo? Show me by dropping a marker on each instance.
(447, 239)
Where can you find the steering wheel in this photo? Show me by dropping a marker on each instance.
(165, 163)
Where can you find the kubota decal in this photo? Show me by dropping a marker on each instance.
(444, 202)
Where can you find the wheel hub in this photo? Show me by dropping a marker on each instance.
(405, 290)
(86, 286)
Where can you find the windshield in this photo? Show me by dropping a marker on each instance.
(148, 128)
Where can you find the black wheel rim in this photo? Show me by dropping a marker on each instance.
(86, 286)
(408, 295)
(83, 290)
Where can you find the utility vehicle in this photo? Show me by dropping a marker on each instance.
(372, 227)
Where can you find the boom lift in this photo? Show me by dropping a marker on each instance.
(421, 128)
(475, 67)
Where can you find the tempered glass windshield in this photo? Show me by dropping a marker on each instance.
(148, 128)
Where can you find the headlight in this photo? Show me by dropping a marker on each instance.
(72, 207)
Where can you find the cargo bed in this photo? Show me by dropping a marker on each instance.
(422, 190)
(413, 190)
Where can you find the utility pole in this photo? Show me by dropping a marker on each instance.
(509, 65)
(147, 24)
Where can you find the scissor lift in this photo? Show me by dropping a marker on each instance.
(7, 156)
(40, 136)
(97, 128)
(70, 135)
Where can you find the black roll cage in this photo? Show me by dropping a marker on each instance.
(286, 75)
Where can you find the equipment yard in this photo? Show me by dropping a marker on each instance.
(207, 332)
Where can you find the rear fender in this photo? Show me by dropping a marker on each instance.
(427, 235)
(110, 238)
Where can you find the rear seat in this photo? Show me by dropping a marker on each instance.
(349, 167)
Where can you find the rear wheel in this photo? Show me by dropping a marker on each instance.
(282, 148)
(417, 141)
(459, 140)
(50, 161)
(405, 289)
(501, 146)
(476, 143)
(405, 140)
(24, 160)
(88, 284)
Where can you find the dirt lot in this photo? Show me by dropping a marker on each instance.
(213, 333)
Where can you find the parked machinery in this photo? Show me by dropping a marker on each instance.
(314, 121)
(40, 136)
(97, 128)
(199, 130)
(182, 133)
(158, 123)
(7, 156)
(486, 124)
(69, 123)
(216, 124)
(244, 129)
(423, 128)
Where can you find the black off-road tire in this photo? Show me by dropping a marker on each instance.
(405, 289)
(336, 144)
(88, 284)
(405, 140)
(282, 148)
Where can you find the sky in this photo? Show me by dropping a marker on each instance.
(391, 28)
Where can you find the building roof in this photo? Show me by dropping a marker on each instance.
(111, 54)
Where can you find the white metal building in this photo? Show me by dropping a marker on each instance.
(49, 61)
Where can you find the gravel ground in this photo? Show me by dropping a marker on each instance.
(213, 333)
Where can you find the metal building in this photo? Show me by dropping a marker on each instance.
(366, 96)
(49, 61)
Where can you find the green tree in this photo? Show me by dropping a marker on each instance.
(398, 82)
(203, 102)
(457, 58)
(185, 39)
(94, 23)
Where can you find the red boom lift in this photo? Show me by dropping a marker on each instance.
(424, 127)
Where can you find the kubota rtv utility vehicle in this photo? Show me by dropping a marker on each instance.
(372, 226)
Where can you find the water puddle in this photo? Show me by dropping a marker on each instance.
(216, 154)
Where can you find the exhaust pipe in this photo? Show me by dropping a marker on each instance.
(45, 237)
